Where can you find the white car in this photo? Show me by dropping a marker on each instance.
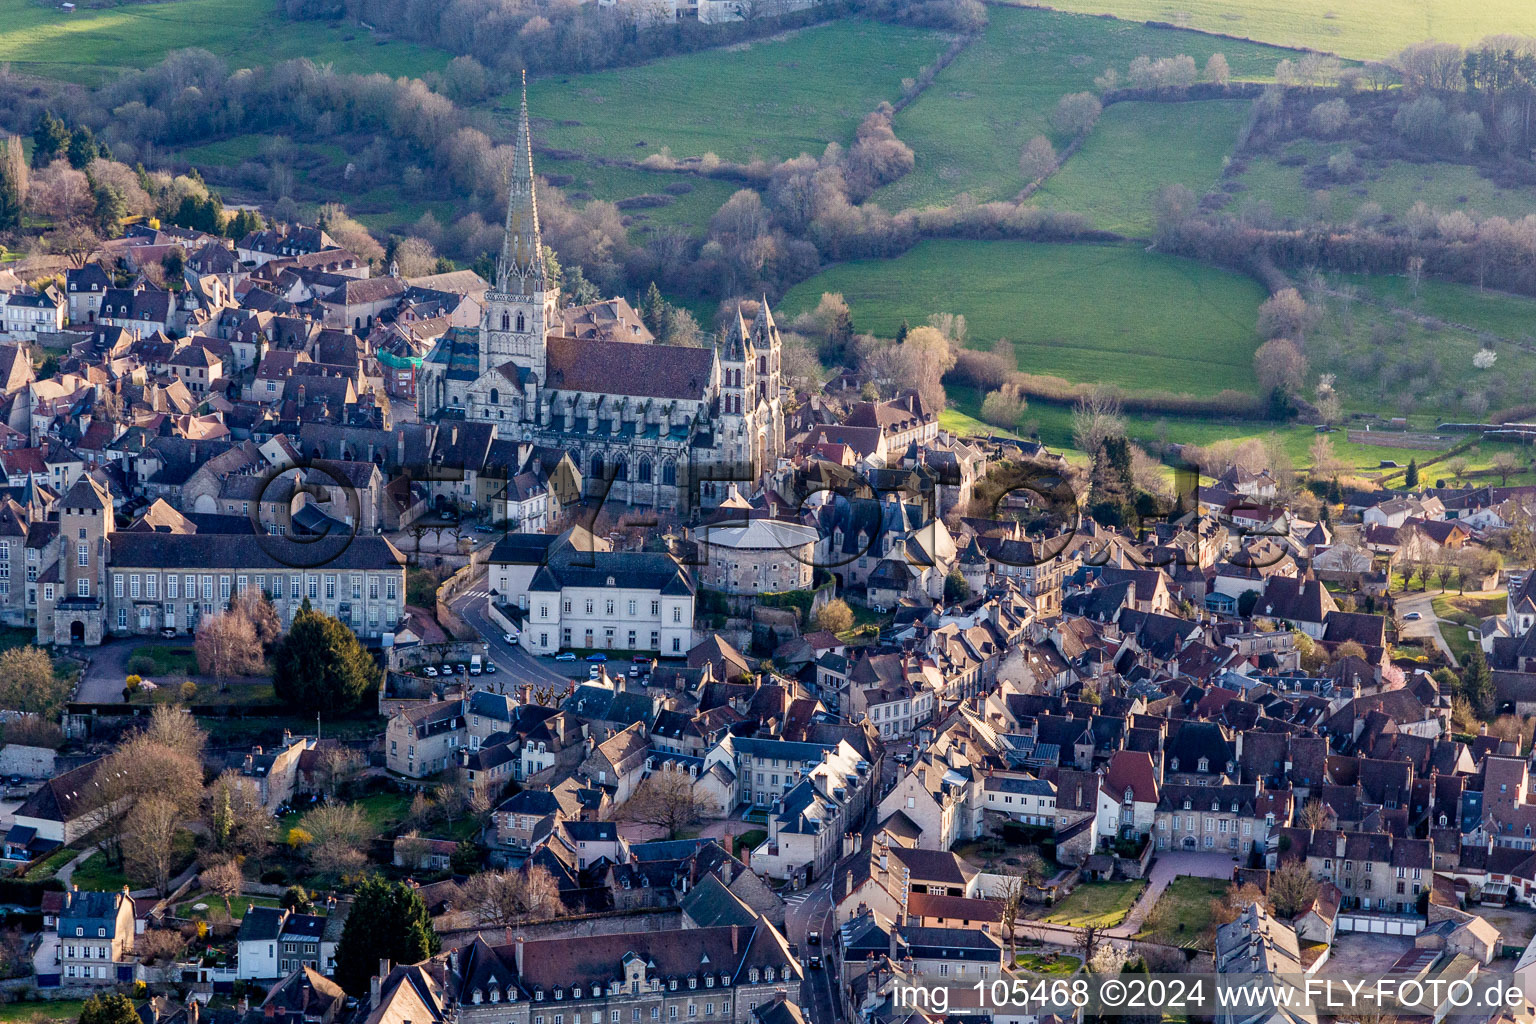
(430, 671)
(510, 638)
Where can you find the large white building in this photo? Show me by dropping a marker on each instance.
(608, 600)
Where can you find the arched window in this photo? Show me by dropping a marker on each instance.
(762, 364)
(645, 469)
(597, 464)
(669, 473)
(506, 322)
(621, 468)
(495, 396)
(521, 325)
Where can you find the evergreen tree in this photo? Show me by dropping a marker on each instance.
(82, 148)
(1477, 685)
(1411, 476)
(110, 209)
(444, 265)
(902, 332)
(13, 183)
(485, 266)
(653, 309)
(113, 1008)
(174, 263)
(319, 664)
(389, 921)
(49, 140)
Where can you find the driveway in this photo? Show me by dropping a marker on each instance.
(1428, 624)
(102, 682)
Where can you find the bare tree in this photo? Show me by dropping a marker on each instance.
(338, 834)
(226, 645)
(666, 800)
(335, 766)
(258, 611)
(176, 730)
(1096, 418)
(1088, 938)
(224, 880)
(1292, 888)
(412, 850)
(503, 898)
(28, 683)
(149, 840)
(1009, 895)
(237, 821)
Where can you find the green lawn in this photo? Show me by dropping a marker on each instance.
(647, 199)
(226, 152)
(53, 1011)
(1117, 315)
(92, 45)
(1135, 150)
(968, 129)
(169, 661)
(96, 873)
(1188, 902)
(773, 98)
(1103, 904)
(1049, 963)
(1394, 185)
(1374, 29)
(1466, 611)
(1508, 316)
(239, 905)
(50, 867)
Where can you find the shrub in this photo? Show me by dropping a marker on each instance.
(141, 665)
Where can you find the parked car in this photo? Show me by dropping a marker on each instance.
(641, 659)
(634, 671)
(490, 668)
(430, 671)
(593, 671)
(597, 656)
(565, 656)
(815, 961)
(510, 638)
(1412, 617)
(167, 630)
(813, 938)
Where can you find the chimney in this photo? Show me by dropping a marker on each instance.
(736, 939)
(519, 956)
(373, 985)
(453, 438)
(400, 447)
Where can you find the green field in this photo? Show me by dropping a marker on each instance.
(773, 98)
(1360, 29)
(93, 45)
(1103, 904)
(1136, 149)
(1508, 316)
(1109, 314)
(968, 129)
(1393, 185)
(1187, 903)
(53, 1011)
(690, 210)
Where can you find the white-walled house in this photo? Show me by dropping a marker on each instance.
(609, 600)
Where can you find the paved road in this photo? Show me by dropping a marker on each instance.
(103, 681)
(514, 666)
(811, 910)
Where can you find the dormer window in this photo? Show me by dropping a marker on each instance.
(475, 998)
(725, 979)
(1173, 764)
(495, 995)
(709, 981)
(559, 993)
(694, 982)
(672, 984)
(1234, 806)
(1187, 804)
(1205, 764)
(754, 976)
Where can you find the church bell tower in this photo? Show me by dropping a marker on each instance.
(522, 302)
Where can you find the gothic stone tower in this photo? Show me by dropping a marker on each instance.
(521, 305)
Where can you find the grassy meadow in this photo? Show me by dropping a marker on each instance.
(92, 45)
(772, 98)
(1394, 185)
(968, 129)
(647, 199)
(1359, 29)
(1135, 150)
(1114, 314)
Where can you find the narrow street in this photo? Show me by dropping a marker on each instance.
(514, 666)
(807, 911)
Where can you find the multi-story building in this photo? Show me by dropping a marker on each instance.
(1235, 818)
(274, 942)
(102, 581)
(95, 934)
(757, 556)
(806, 826)
(609, 600)
(27, 313)
(425, 740)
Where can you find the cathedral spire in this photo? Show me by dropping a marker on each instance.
(522, 253)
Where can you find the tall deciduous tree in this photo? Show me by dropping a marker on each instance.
(226, 645)
(28, 683)
(389, 921)
(319, 664)
(667, 800)
(501, 898)
(149, 840)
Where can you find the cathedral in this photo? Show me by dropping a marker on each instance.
(653, 425)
